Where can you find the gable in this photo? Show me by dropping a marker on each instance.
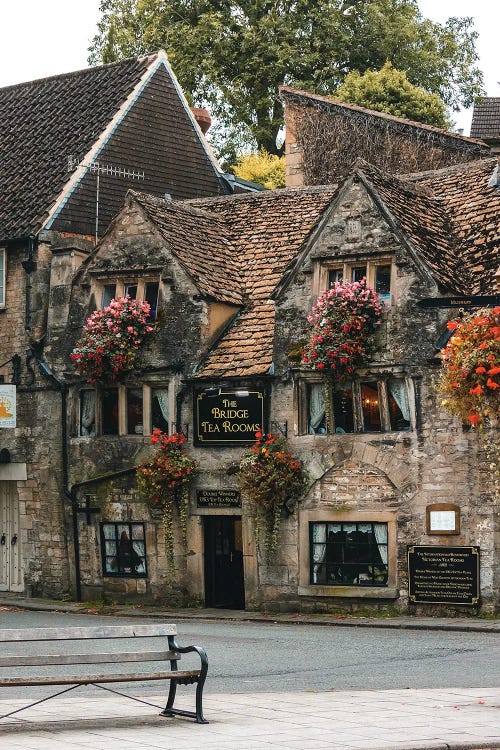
(155, 137)
(46, 121)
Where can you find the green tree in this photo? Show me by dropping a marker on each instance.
(231, 55)
(389, 90)
(263, 168)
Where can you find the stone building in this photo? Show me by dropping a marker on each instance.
(233, 280)
(70, 148)
(324, 137)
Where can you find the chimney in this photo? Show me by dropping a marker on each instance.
(202, 117)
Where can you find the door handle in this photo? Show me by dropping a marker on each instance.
(230, 557)
(14, 539)
(2, 540)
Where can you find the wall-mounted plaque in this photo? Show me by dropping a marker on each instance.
(228, 417)
(7, 405)
(443, 575)
(443, 518)
(218, 498)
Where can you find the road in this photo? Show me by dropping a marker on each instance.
(262, 657)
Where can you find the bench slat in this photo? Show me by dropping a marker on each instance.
(86, 679)
(75, 634)
(43, 660)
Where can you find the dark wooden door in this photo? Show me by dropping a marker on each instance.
(224, 586)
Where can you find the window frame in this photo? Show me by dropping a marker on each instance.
(104, 556)
(122, 283)
(3, 277)
(303, 395)
(147, 391)
(348, 264)
(388, 590)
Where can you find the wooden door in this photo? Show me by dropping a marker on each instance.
(10, 541)
(224, 584)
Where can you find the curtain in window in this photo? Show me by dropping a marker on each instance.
(319, 547)
(87, 413)
(380, 530)
(161, 396)
(316, 407)
(398, 391)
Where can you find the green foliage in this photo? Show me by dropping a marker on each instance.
(389, 90)
(263, 168)
(233, 55)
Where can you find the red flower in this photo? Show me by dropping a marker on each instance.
(474, 418)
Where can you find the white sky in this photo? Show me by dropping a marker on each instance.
(45, 37)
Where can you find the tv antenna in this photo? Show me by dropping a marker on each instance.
(111, 170)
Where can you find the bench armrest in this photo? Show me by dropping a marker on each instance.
(174, 646)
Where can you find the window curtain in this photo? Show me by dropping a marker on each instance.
(162, 398)
(380, 531)
(319, 547)
(399, 392)
(87, 413)
(316, 407)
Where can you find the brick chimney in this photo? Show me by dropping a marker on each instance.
(202, 117)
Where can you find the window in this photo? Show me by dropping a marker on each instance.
(145, 291)
(349, 553)
(378, 274)
(3, 274)
(124, 410)
(123, 547)
(381, 405)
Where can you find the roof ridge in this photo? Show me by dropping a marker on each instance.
(263, 194)
(180, 204)
(464, 166)
(375, 113)
(80, 72)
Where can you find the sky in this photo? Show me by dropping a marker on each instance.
(45, 37)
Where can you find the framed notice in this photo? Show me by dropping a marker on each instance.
(443, 575)
(228, 417)
(218, 498)
(443, 519)
(7, 405)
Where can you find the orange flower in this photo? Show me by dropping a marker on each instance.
(474, 418)
(452, 325)
(494, 370)
(477, 391)
(480, 370)
(491, 384)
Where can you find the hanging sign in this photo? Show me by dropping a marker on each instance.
(487, 300)
(7, 405)
(228, 417)
(443, 575)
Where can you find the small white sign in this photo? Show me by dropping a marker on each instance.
(7, 405)
(442, 520)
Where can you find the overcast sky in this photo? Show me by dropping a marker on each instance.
(45, 37)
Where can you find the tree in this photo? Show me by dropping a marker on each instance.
(263, 168)
(389, 90)
(231, 55)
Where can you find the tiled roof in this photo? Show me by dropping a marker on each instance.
(46, 121)
(267, 230)
(200, 240)
(474, 208)
(486, 118)
(424, 219)
(338, 105)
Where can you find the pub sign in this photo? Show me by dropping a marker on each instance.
(443, 575)
(228, 417)
(7, 405)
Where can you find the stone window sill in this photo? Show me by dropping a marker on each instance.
(358, 592)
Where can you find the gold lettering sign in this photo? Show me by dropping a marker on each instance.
(223, 417)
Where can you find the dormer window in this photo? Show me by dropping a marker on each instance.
(140, 289)
(379, 275)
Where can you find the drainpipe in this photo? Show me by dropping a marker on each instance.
(29, 266)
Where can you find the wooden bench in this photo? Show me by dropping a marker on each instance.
(75, 639)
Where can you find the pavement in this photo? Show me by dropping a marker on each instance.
(437, 719)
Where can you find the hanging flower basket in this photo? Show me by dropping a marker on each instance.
(111, 340)
(270, 476)
(344, 321)
(164, 482)
(470, 377)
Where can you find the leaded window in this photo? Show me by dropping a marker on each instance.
(123, 548)
(348, 553)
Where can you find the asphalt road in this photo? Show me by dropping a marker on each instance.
(257, 657)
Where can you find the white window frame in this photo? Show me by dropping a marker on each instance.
(320, 515)
(3, 277)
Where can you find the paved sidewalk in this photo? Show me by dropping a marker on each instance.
(450, 719)
(464, 624)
